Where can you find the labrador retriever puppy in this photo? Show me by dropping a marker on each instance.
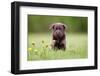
(58, 36)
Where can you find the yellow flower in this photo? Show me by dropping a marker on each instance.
(29, 49)
(42, 41)
(35, 50)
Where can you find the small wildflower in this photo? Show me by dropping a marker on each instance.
(29, 49)
(35, 50)
(33, 44)
(42, 41)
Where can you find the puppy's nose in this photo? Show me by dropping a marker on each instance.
(57, 32)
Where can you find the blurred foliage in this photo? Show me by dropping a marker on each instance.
(40, 23)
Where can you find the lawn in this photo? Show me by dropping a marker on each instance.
(39, 47)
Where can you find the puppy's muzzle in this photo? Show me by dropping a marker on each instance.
(58, 34)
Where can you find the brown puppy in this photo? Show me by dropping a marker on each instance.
(59, 36)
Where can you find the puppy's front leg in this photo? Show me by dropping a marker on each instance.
(53, 44)
(63, 44)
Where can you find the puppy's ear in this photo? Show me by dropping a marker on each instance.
(51, 26)
(65, 27)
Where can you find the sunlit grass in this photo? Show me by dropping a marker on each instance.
(39, 47)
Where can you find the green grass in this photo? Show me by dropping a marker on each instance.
(41, 50)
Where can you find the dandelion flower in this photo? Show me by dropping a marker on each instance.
(35, 50)
(29, 49)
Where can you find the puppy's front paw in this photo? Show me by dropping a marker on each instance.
(53, 43)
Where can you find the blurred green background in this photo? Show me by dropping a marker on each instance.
(40, 38)
(39, 23)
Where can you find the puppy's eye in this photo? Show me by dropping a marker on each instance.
(59, 28)
(56, 28)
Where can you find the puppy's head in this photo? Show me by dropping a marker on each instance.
(58, 30)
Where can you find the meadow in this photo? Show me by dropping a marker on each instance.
(39, 47)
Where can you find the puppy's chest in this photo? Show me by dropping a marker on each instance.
(59, 39)
(58, 44)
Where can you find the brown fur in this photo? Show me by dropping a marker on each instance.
(58, 36)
